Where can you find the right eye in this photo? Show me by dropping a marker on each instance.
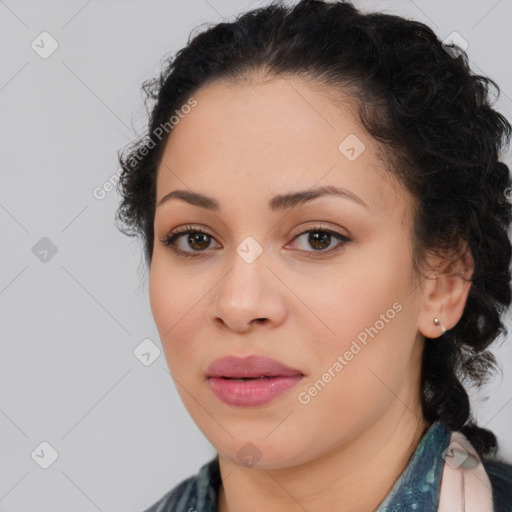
(196, 238)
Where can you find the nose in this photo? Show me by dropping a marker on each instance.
(248, 295)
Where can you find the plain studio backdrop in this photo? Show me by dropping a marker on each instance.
(87, 422)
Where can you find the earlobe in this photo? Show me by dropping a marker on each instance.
(445, 294)
(438, 322)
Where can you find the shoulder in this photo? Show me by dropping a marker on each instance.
(174, 499)
(500, 475)
(197, 492)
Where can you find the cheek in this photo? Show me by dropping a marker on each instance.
(356, 376)
(172, 300)
(162, 295)
(367, 309)
(353, 298)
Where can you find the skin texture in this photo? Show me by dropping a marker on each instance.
(243, 144)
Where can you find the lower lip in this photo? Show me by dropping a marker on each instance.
(251, 392)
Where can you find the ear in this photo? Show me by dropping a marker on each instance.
(445, 292)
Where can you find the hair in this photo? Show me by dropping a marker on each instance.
(435, 122)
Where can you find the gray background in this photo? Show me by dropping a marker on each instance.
(69, 325)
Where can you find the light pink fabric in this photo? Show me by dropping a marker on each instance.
(465, 486)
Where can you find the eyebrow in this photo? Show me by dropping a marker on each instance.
(279, 202)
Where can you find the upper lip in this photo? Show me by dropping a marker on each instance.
(249, 366)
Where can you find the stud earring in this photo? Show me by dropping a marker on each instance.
(437, 322)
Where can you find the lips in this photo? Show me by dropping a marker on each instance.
(250, 367)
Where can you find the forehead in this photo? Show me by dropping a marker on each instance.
(272, 136)
(270, 117)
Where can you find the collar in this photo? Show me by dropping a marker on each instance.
(417, 488)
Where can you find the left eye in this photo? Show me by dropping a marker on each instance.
(318, 238)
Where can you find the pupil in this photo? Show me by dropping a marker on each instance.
(314, 238)
(196, 237)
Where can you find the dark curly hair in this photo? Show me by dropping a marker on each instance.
(439, 132)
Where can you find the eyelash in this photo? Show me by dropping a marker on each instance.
(170, 240)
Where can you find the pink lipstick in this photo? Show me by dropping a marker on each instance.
(250, 381)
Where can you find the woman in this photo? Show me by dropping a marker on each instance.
(324, 216)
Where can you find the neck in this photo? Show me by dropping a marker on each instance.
(338, 480)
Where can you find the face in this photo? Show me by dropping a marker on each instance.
(325, 286)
